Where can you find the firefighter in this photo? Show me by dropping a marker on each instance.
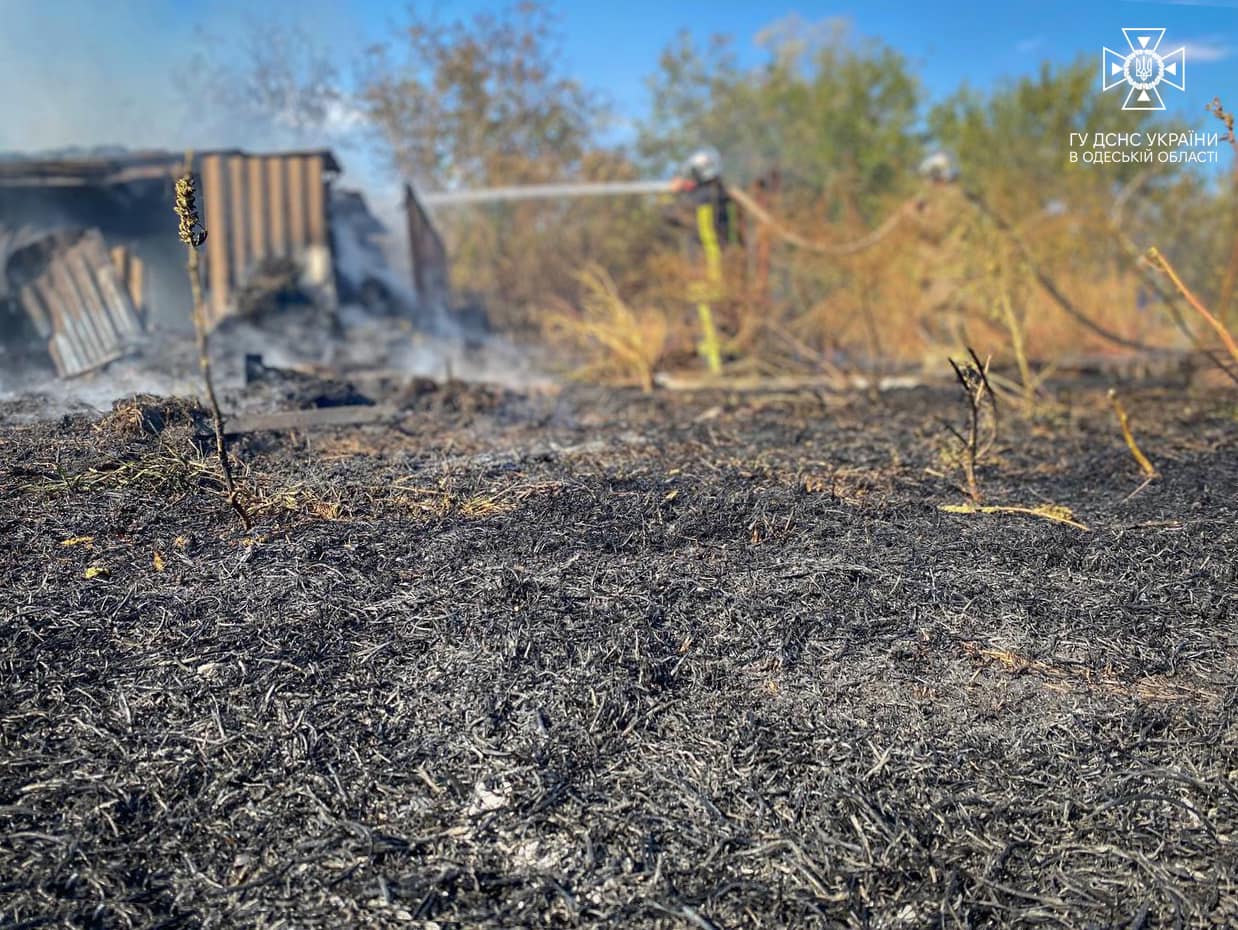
(700, 185)
(714, 224)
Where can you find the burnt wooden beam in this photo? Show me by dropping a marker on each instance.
(318, 418)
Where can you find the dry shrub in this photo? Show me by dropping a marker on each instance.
(618, 341)
(947, 276)
(942, 278)
(146, 415)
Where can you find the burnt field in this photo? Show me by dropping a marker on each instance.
(594, 658)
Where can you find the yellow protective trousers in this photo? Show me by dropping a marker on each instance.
(712, 288)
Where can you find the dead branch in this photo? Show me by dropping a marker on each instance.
(1159, 261)
(1046, 282)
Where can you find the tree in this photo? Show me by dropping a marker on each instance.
(1013, 142)
(484, 101)
(271, 83)
(833, 112)
(478, 102)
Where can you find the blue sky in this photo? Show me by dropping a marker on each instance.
(99, 71)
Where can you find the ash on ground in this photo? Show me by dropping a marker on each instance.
(597, 659)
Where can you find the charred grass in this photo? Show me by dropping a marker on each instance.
(613, 659)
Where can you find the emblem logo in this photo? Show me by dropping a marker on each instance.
(1143, 68)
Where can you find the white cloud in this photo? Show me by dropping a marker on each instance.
(1029, 45)
(1206, 50)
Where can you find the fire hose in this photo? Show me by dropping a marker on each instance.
(909, 208)
(762, 216)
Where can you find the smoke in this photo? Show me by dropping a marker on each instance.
(395, 335)
(34, 392)
(419, 340)
(65, 84)
(83, 77)
(85, 73)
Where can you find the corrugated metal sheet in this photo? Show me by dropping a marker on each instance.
(82, 306)
(121, 168)
(260, 207)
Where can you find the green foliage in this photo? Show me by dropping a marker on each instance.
(1013, 146)
(835, 114)
(1014, 141)
(483, 102)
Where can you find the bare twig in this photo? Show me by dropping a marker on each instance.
(974, 379)
(1231, 268)
(1147, 268)
(1051, 512)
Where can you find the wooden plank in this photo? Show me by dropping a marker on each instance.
(316, 200)
(116, 301)
(318, 418)
(296, 203)
(135, 283)
(97, 335)
(58, 358)
(429, 257)
(788, 383)
(130, 272)
(93, 253)
(237, 217)
(120, 170)
(71, 303)
(58, 342)
(277, 230)
(120, 260)
(256, 189)
(216, 222)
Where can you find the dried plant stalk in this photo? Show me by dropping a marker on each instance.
(1054, 513)
(1145, 466)
(193, 234)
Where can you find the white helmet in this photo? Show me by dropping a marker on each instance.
(939, 167)
(704, 165)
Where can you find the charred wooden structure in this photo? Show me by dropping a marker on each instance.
(88, 249)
